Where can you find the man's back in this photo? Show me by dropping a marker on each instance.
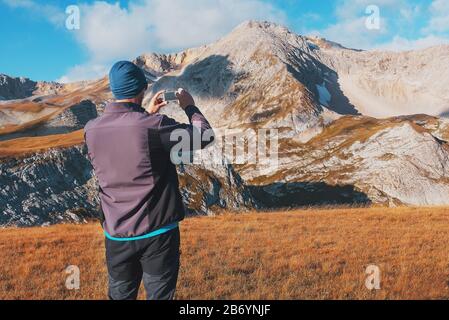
(130, 149)
(130, 152)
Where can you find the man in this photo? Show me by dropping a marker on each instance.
(129, 148)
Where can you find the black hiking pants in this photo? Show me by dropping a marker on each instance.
(154, 260)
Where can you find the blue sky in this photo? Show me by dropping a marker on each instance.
(37, 44)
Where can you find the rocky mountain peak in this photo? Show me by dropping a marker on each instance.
(15, 88)
(264, 26)
(323, 43)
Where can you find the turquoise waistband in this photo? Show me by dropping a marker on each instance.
(146, 236)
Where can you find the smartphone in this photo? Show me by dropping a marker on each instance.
(170, 96)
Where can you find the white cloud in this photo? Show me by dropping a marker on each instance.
(190, 23)
(49, 12)
(110, 32)
(85, 71)
(353, 33)
(402, 44)
(396, 16)
(348, 9)
(439, 21)
(350, 28)
(408, 13)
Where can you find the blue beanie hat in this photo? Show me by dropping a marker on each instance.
(126, 80)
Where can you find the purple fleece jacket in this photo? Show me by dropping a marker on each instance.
(130, 153)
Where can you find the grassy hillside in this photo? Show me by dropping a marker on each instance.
(305, 254)
(29, 145)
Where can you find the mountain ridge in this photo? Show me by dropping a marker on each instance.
(345, 133)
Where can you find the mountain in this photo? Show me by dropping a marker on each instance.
(384, 84)
(15, 88)
(354, 127)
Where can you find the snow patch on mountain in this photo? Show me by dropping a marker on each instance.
(324, 94)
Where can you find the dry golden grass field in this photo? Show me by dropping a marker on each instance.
(28, 145)
(303, 254)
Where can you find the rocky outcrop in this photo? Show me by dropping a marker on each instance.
(69, 119)
(50, 187)
(384, 84)
(15, 88)
(363, 160)
(59, 186)
(74, 117)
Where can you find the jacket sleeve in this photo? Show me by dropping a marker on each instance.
(198, 134)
